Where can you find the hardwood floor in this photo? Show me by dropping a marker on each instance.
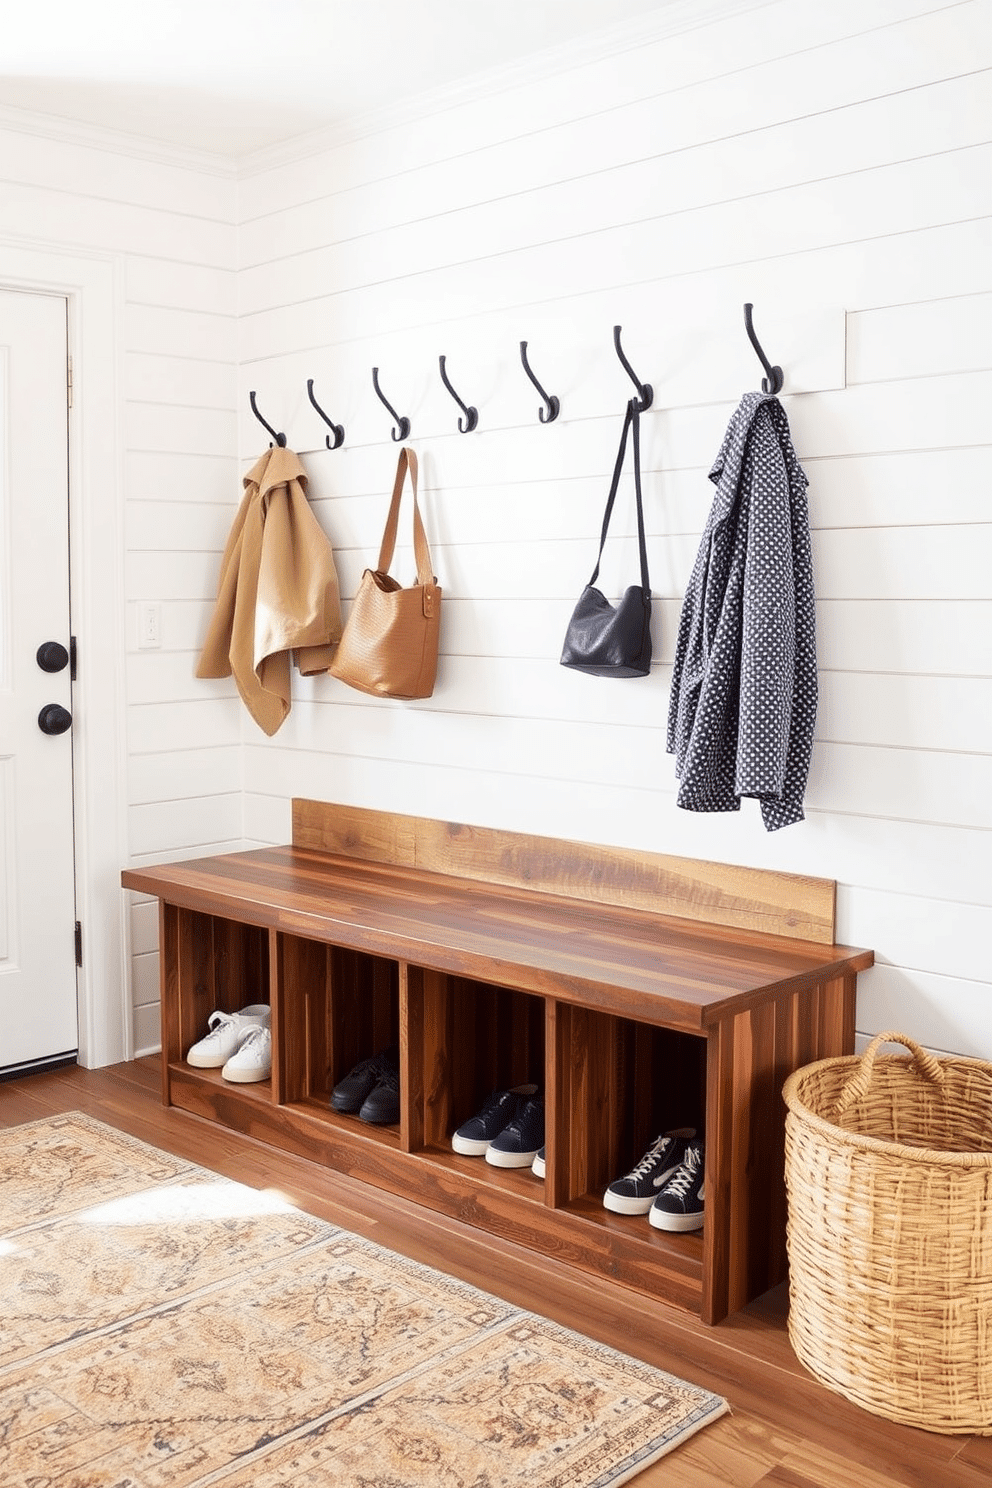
(784, 1431)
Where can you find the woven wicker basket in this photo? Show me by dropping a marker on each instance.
(889, 1178)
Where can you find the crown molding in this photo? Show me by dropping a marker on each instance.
(66, 131)
(671, 19)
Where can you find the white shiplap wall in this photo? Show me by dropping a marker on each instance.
(829, 163)
(166, 225)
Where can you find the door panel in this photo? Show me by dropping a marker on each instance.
(37, 891)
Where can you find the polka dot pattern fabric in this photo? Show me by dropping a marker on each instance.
(744, 689)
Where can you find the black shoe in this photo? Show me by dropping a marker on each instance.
(473, 1136)
(539, 1166)
(635, 1193)
(381, 1106)
(350, 1093)
(519, 1143)
(680, 1204)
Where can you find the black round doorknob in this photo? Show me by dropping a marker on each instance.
(54, 719)
(52, 657)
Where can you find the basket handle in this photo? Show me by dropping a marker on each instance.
(857, 1085)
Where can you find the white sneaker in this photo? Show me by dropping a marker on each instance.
(227, 1033)
(253, 1060)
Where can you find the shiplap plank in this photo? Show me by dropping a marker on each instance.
(90, 223)
(157, 826)
(147, 1036)
(167, 330)
(952, 636)
(942, 1012)
(178, 525)
(157, 377)
(164, 476)
(163, 677)
(145, 984)
(175, 774)
(123, 174)
(179, 575)
(180, 430)
(921, 340)
(144, 926)
(898, 489)
(912, 563)
(933, 935)
(905, 784)
(215, 718)
(179, 286)
(907, 712)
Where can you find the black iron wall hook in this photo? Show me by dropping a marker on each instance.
(468, 423)
(552, 408)
(645, 392)
(337, 428)
(773, 382)
(280, 439)
(403, 432)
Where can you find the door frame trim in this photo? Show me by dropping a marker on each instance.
(92, 287)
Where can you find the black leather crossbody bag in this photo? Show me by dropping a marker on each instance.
(608, 640)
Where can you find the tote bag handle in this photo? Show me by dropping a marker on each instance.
(425, 574)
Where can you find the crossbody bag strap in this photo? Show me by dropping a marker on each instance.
(632, 420)
(425, 574)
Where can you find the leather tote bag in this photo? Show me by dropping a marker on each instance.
(390, 639)
(614, 640)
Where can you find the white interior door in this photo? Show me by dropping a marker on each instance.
(38, 1020)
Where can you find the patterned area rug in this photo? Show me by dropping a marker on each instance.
(161, 1327)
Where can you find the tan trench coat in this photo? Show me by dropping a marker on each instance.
(278, 592)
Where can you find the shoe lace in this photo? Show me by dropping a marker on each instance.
(532, 1111)
(647, 1161)
(681, 1180)
(255, 1036)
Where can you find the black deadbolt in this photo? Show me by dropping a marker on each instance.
(52, 657)
(54, 719)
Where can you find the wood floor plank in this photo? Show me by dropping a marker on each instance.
(785, 1430)
(737, 1450)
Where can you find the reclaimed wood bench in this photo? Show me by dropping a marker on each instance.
(639, 991)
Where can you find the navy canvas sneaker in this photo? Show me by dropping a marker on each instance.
(679, 1206)
(635, 1193)
(519, 1142)
(539, 1166)
(498, 1109)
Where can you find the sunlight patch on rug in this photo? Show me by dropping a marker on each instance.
(166, 1328)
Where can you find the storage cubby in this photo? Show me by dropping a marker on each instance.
(476, 1038)
(638, 992)
(335, 1008)
(626, 1082)
(209, 963)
